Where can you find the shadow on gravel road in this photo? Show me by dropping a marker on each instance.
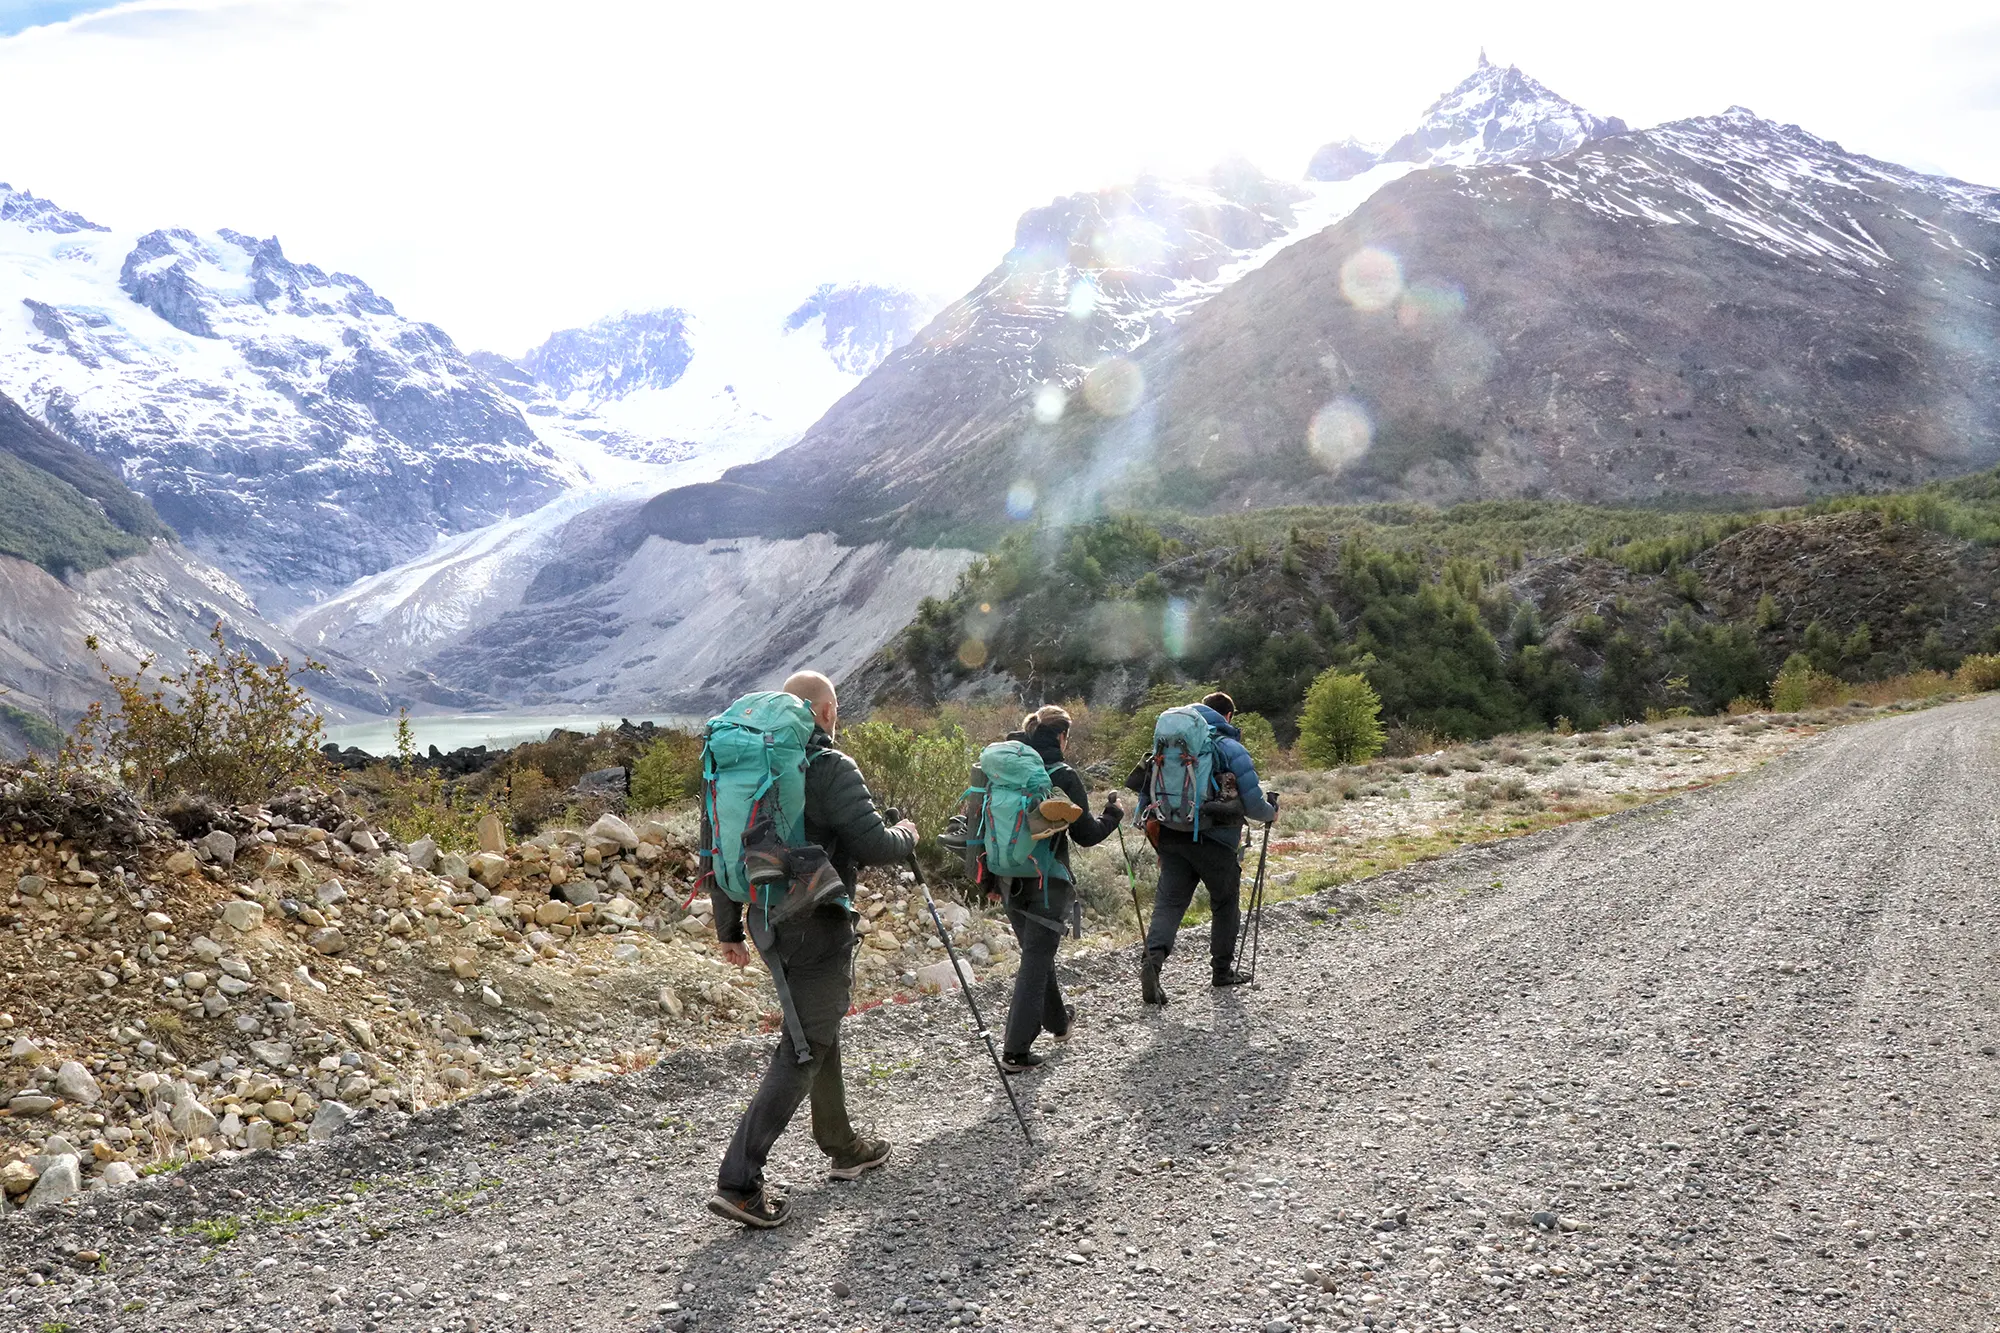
(948, 1217)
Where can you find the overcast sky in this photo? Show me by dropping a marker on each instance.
(504, 169)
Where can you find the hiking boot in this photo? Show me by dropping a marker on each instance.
(859, 1160)
(1019, 1062)
(1059, 1028)
(764, 1208)
(766, 865)
(1150, 989)
(1229, 976)
(812, 881)
(1060, 810)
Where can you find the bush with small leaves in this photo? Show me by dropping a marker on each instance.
(1341, 721)
(1979, 672)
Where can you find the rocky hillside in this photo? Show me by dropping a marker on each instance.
(60, 508)
(1718, 306)
(1473, 620)
(83, 558)
(287, 422)
(258, 977)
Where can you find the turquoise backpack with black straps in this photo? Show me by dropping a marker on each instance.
(1017, 782)
(1183, 768)
(753, 769)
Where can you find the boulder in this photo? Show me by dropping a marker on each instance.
(363, 842)
(423, 853)
(18, 1176)
(74, 1082)
(333, 891)
(611, 829)
(274, 1054)
(940, 976)
(329, 1120)
(61, 1178)
(159, 921)
(328, 940)
(489, 868)
(119, 1173)
(241, 914)
(492, 833)
(220, 846)
(182, 863)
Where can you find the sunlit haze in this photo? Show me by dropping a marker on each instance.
(505, 169)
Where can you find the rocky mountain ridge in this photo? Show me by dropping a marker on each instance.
(289, 423)
(1495, 115)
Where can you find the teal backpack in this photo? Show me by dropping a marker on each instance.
(1017, 782)
(1183, 769)
(753, 771)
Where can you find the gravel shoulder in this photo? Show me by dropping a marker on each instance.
(1725, 1060)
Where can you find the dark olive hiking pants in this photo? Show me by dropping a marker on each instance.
(817, 953)
(1038, 1003)
(1184, 863)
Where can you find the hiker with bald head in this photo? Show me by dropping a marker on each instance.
(787, 822)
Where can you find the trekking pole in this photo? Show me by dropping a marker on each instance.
(1256, 914)
(1132, 878)
(978, 1021)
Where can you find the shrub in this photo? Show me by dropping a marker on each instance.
(1258, 738)
(1801, 685)
(416, 802)
(226, 726)
(1341, 721)
(922, 774)
(1980, 672)
(668, 772)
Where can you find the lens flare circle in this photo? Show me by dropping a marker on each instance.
(1114, 386)
(1339, 433)
(1174, 621)
(1050, 399)
(1371, 279)
(1021, 499)
(972, 653)
(1083, 299)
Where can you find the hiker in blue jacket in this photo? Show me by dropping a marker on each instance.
(1207, 858)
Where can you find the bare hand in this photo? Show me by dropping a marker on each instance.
(737, 953)
(908, 827)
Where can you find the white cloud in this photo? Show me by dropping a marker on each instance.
(506, 168)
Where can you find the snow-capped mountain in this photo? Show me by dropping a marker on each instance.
(1496, 115)
(667, 385)
(288, 423)
(649, 401)
(1721, 306)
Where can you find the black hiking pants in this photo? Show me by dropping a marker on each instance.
(1184, 863)
(1038, 1002)
(817, 953)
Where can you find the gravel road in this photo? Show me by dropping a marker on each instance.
(1726, 1061)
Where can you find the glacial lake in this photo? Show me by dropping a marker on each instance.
(493, 730)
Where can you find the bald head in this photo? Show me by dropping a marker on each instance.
(819, 695)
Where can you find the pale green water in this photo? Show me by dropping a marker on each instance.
(493, 730)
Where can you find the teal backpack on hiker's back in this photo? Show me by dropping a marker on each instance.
(1017, 841)
(1183, 769)
(753, 783)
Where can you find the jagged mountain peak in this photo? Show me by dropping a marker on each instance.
(21, 206)
(860, 323)
(1498, 113)
(615, 356)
